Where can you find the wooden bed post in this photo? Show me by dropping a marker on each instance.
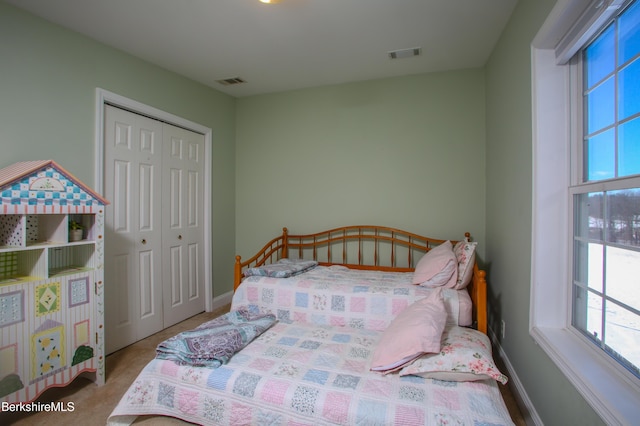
(479, 297)
(285, 243)
(237, 275)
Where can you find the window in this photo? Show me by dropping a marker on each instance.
(586, 181)
(606, 200)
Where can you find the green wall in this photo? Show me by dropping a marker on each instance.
(509, 214)
(48, 78)
(437, 154)
(402, 152)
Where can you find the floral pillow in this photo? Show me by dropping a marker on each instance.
(465, 356)
(465, 252)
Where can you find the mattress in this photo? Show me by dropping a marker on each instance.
(307, 374)
(339, 296)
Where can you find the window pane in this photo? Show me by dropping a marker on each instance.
(600, 57)
(623, 335)
(623, 217)
(589, 226)
(629, 147)
(585, 308)
(623, 276)
(589, 216)
(601, 106)
(629, 43)
(595, 280)
(601, 156)
(594, 319)
(629, 90)
(588, 265)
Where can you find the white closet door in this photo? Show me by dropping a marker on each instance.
(183, 228)
(133, 234)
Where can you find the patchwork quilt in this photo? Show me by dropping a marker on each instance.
(339, 296)
(307, 374)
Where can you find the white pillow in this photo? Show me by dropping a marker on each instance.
(415, 331)
(465, 253)
(438, 267)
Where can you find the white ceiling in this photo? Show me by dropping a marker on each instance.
(290, 45)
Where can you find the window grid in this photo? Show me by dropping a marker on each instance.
(593, 88)
(600, 229)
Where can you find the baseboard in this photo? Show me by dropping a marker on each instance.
(520, 394)
(222, 300)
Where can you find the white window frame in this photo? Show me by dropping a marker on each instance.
(612, 391)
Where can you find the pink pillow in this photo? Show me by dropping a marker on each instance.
(438, 267)
(415, 331)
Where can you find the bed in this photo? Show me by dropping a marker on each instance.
(324, 356)
(366, 248)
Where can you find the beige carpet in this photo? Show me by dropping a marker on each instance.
(93, 404)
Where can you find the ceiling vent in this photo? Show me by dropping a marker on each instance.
(405, 53)
(231, 81)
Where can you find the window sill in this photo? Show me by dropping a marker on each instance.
(610, 394)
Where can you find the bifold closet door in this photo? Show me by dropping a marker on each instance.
(133, 234)
(182, 229)
(154, 247)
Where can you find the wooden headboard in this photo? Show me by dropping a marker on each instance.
(363, 247)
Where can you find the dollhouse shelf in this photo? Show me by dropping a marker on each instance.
(38, 246)
(18, 280)
(44, 244)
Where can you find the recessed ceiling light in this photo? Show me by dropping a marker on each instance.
(405, 53)
(269, 1)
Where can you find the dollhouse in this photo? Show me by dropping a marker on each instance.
(51, 280)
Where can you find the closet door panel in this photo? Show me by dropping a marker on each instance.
(120, 284)
(146, 195)
(121, 196)
(194, 210)
(175, 199)
(176, 276)
(146, 284)
(133, 164)
(183, 234)
(194, 271)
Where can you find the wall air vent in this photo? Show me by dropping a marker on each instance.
(405, 53)
(230, 81)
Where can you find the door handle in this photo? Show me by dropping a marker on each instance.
(179, 237)
(144, 241)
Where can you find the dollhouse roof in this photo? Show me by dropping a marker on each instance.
(16, 172)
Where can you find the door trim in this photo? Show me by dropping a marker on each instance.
(105, 97)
